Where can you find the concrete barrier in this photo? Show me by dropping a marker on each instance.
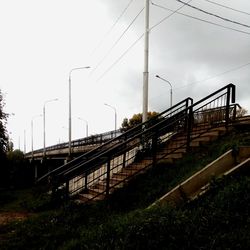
(230, 162)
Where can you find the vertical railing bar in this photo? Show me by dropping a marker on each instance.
(190, 117)
(108, 177)
(227, 107)
(86, 181)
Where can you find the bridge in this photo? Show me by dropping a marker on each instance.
(78, 147)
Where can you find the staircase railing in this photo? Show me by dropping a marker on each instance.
(90, 155)
(143, 144)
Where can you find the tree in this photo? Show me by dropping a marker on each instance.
(135, 120)
(4, 176)
(3, 131)
(241, 112)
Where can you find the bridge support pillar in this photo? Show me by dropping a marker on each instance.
(36, 175)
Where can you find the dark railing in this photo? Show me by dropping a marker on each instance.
(144, 144)
(119, 140)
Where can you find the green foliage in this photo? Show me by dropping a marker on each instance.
(135, 120)
(19, 170)
(3, 131)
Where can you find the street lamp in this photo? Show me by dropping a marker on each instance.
(115, 114)
(24, 141)
(171, 89)
(86, 67)
(44, 144)
(36, 116)
(86, 125)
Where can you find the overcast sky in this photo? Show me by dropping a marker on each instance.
(42, 40)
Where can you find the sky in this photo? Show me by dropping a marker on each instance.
(43, 40)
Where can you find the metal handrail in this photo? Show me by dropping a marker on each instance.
(148, 132)
(123, 137)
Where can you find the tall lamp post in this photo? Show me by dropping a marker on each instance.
(145, 72)
(44, 136)
(24, 141)
(70, 122)
(115, 114)
(87, 126)
(36, 116)
(171, 89)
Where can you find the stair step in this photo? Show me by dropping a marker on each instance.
(194, 144)
(88, 197)
(202, 139)
(170, 156)
(172, 150)
(96, 192)
(138, 166)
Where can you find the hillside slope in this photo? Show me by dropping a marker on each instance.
(219, 220)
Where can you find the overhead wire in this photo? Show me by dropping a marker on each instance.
(214, 15)
(154, 26)
(215, 76)
(207, 79)
(117, 41)
(111, 28)
(196, 18)
(227, 7)
(165, 18)
(121, 56)
(133, 44)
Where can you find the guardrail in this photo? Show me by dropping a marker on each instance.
(90, 140)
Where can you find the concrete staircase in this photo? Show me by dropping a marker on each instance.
(172, 150)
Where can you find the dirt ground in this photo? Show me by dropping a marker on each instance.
(7, 217)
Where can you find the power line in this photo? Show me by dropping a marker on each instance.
(165, 18)
(215, 76)
(173, 12)
(196, 18)
(116, 42)
(209, 78)
(215, 15)
(111, 28)
(227, 7)
(121, 56)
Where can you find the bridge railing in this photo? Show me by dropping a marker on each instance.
(89, 140)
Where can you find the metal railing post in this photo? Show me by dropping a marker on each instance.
(189, 126)
(227, 107)
(67, 189)
(124, 160)
(108, 177)
(86, 181)
(154, 147)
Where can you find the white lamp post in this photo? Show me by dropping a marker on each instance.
(171, 89)
(87, 126)
(36, 116)
(115, 114)
(24, 141)
(44, 136)
(70, 122)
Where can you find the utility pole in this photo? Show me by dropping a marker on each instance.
(145, 72)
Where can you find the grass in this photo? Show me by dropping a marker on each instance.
(217, 221)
